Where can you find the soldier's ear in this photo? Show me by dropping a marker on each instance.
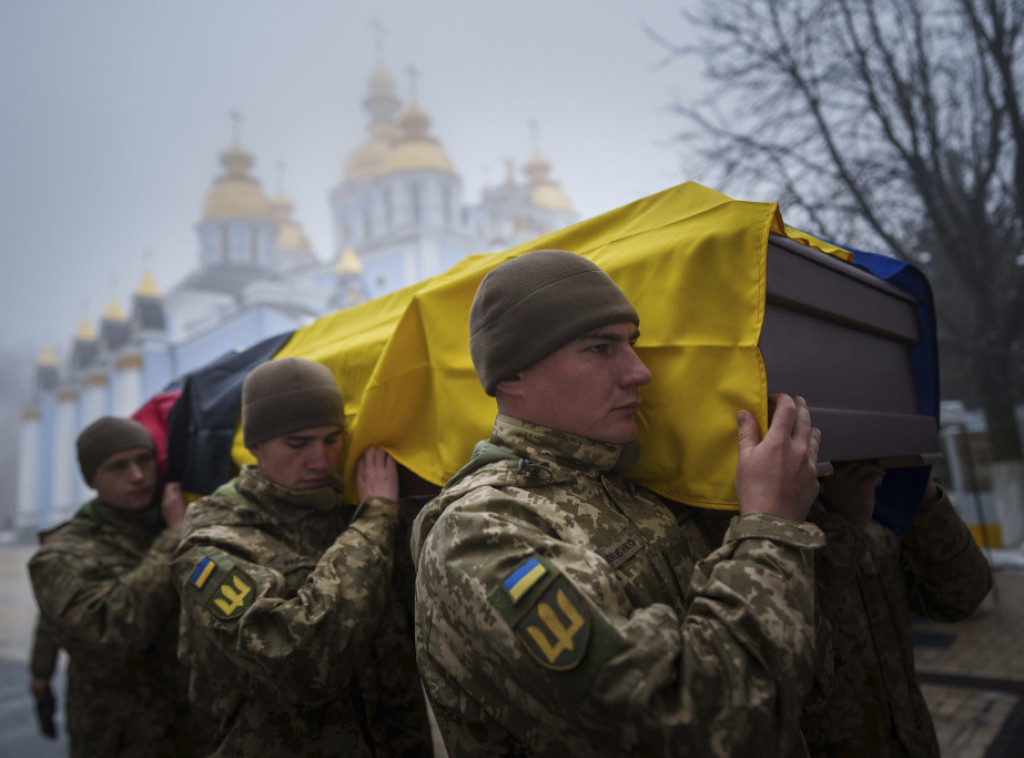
(512, 387)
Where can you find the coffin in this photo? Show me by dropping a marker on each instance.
(841, 338)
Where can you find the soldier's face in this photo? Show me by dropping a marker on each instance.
(301, 461)
(127, 480)
(590, 387)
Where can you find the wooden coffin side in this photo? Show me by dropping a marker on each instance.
(841, 337)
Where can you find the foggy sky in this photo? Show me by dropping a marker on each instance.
(112, 116)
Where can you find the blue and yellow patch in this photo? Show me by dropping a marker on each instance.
(520, 581)
(202, 573)
(556, 628)
(218, 586)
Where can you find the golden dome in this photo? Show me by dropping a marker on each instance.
(85, 332)
(544, 191)
(48, 357)
(236, 194)
(549, 195)
(348, 263)
(113, 311)
(368, 159)
(290, 236)
(416, 150)
(147, 287)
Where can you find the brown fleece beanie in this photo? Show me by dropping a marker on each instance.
(286, 396)
(109, 436)
(530, 306)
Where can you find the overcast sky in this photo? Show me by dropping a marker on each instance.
(113, 113)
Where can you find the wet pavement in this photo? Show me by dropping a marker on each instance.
(19, 733)
(972, 673)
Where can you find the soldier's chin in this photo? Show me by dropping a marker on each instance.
(623, 434)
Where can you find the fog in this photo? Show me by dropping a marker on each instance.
(112, 115)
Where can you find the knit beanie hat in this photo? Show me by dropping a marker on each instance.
(289, 395)
(530, 306)
(109, 436)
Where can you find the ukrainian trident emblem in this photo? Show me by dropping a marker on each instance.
(233, 596)
(557, 628)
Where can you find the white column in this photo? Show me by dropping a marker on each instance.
(65, 468)
(94, 399)
(128, 384)
(27, 517)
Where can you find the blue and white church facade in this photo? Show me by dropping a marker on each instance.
(399, 216)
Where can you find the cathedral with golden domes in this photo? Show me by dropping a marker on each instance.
(399, 216)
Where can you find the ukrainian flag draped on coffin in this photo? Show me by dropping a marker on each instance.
(691, 260)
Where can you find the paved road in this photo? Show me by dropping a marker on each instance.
(19, 735)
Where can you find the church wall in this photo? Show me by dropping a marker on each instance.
(246, 328)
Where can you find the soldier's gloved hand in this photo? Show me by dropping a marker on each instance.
(46, 705)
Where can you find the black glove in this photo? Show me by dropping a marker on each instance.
(46, 704)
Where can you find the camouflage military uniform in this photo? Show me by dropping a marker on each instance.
(563, 611)
(102, 582)
(42, 661)
(297, 641)
(869, 581)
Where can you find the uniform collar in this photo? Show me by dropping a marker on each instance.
(286, 503)
(542, 443)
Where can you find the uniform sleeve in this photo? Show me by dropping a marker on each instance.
(94, 608)
(730, 674)
(43, 661)
(300, 646)
(837, 564)
(946, 573)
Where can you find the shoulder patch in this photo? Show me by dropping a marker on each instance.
(233, 596)
(546, 612)
(556, 629)
(202, 573)
(519, 582)
(218, 586)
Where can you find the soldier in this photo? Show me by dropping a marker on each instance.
(560, 609)
(298, 642)
(869, 580)
(102, 582)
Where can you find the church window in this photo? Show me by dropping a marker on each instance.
(254, 245)
(367, 224)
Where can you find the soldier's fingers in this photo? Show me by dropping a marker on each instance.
(802, 423)
(783, 419)
(747, 431)
(814, 445)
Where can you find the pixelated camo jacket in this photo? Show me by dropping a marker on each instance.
(297, 642)
(562, 610)
(102, 582)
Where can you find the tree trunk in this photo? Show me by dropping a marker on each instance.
(997, 398)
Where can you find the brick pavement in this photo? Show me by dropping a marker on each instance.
(973, 678)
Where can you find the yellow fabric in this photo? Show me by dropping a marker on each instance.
(691, 260)
(818, 244)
